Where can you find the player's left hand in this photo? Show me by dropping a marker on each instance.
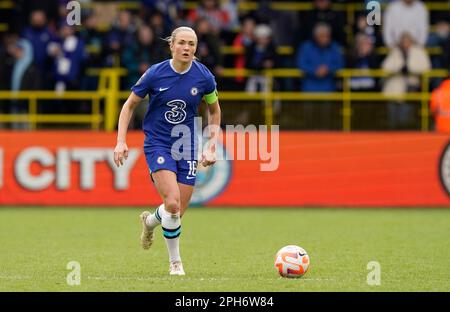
(209, 156)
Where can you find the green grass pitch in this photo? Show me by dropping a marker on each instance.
(225, 249)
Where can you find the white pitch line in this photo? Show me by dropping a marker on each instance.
(160, 278)
(150, 278)
(14, 277)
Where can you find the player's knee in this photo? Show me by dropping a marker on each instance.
(172, 205)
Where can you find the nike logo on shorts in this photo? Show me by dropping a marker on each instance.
(162, 89)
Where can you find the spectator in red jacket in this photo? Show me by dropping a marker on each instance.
(211, 10)
(440, 107)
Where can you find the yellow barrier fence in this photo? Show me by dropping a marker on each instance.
(33, 117)
(109, 92)
(346, 96)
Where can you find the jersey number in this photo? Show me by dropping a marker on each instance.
(192, 168)
(176, 114)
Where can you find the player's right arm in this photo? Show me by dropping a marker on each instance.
(121, 150)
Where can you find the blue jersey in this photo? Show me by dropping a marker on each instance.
(174, 100)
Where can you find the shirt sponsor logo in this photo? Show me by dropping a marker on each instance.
(176, 114)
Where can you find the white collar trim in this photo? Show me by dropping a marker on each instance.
(183, 72)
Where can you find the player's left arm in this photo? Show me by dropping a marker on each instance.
(214, 116)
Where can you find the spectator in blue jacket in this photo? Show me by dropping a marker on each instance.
(39, 36)
(25, 76)
(120, 36)
(319, 59)
(69, 54)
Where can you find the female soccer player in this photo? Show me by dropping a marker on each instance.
(176, 88)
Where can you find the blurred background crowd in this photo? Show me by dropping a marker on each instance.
(40, 51)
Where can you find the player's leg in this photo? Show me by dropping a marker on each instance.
(156, 160)
(186, 176)
(167, 186)
(152, 220)
(185, 196)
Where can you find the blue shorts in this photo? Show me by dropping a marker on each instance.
(158, 159)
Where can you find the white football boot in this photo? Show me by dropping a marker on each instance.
(176, 268)
(147, 234)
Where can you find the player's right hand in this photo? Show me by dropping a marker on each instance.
(120, 153)
(209, 156)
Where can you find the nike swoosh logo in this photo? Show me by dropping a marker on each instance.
(301, 255)
(189, 178)
(163, 89)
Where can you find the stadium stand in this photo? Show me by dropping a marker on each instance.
(55, 75)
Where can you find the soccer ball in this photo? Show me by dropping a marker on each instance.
(291, 261)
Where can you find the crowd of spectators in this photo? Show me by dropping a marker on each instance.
(41, 51)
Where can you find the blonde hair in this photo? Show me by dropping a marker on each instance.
(172, 37)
